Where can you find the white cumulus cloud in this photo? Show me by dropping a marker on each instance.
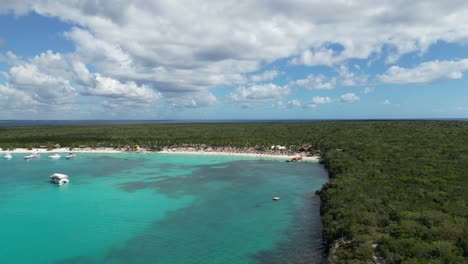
(111, 88)
(193, 46)
(426, 72)
(322, 56)
(53, 79)
(264, 76)
(256, 95)
(321, 100)
(184, 49)
(318, 100)
(294, 103)
(260, 92)
(317, 82)
(349, 98)
(11, 98)
(368, 90)
(43, 78)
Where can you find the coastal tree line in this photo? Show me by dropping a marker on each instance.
(398, 190)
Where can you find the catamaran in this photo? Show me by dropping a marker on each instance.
(8, 156)
(59, 178)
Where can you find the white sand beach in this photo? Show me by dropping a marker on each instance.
(169, 151)
(256, 155)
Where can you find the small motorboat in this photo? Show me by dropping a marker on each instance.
(71, 156)
(55, 156)
(295, 159)
(59, 178)
(8, 156)
(276, 198)
(32, 156)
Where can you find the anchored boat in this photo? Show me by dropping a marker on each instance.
(55, 156)
(59, 178)
(32, 156)
(8, 156)
(295, 159)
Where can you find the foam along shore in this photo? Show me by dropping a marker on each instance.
(167, 151)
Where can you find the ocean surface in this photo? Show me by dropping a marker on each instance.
(9, 123)
(156, 208)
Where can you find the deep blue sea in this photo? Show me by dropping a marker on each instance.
(5, 123)
(160, 208)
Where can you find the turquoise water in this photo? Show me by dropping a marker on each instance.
(135, 208)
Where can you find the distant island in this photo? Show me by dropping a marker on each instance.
(397, 189)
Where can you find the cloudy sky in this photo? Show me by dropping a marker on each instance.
(263, 59)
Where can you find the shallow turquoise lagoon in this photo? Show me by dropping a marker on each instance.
(169, 209)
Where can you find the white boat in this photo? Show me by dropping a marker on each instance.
(8, 156)
(70, 156)
(32, 156)
(55, 156)
(59, 178)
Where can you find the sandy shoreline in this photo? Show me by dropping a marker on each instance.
(180, 152)
(245, 154)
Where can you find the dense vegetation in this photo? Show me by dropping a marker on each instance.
(398, 191)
